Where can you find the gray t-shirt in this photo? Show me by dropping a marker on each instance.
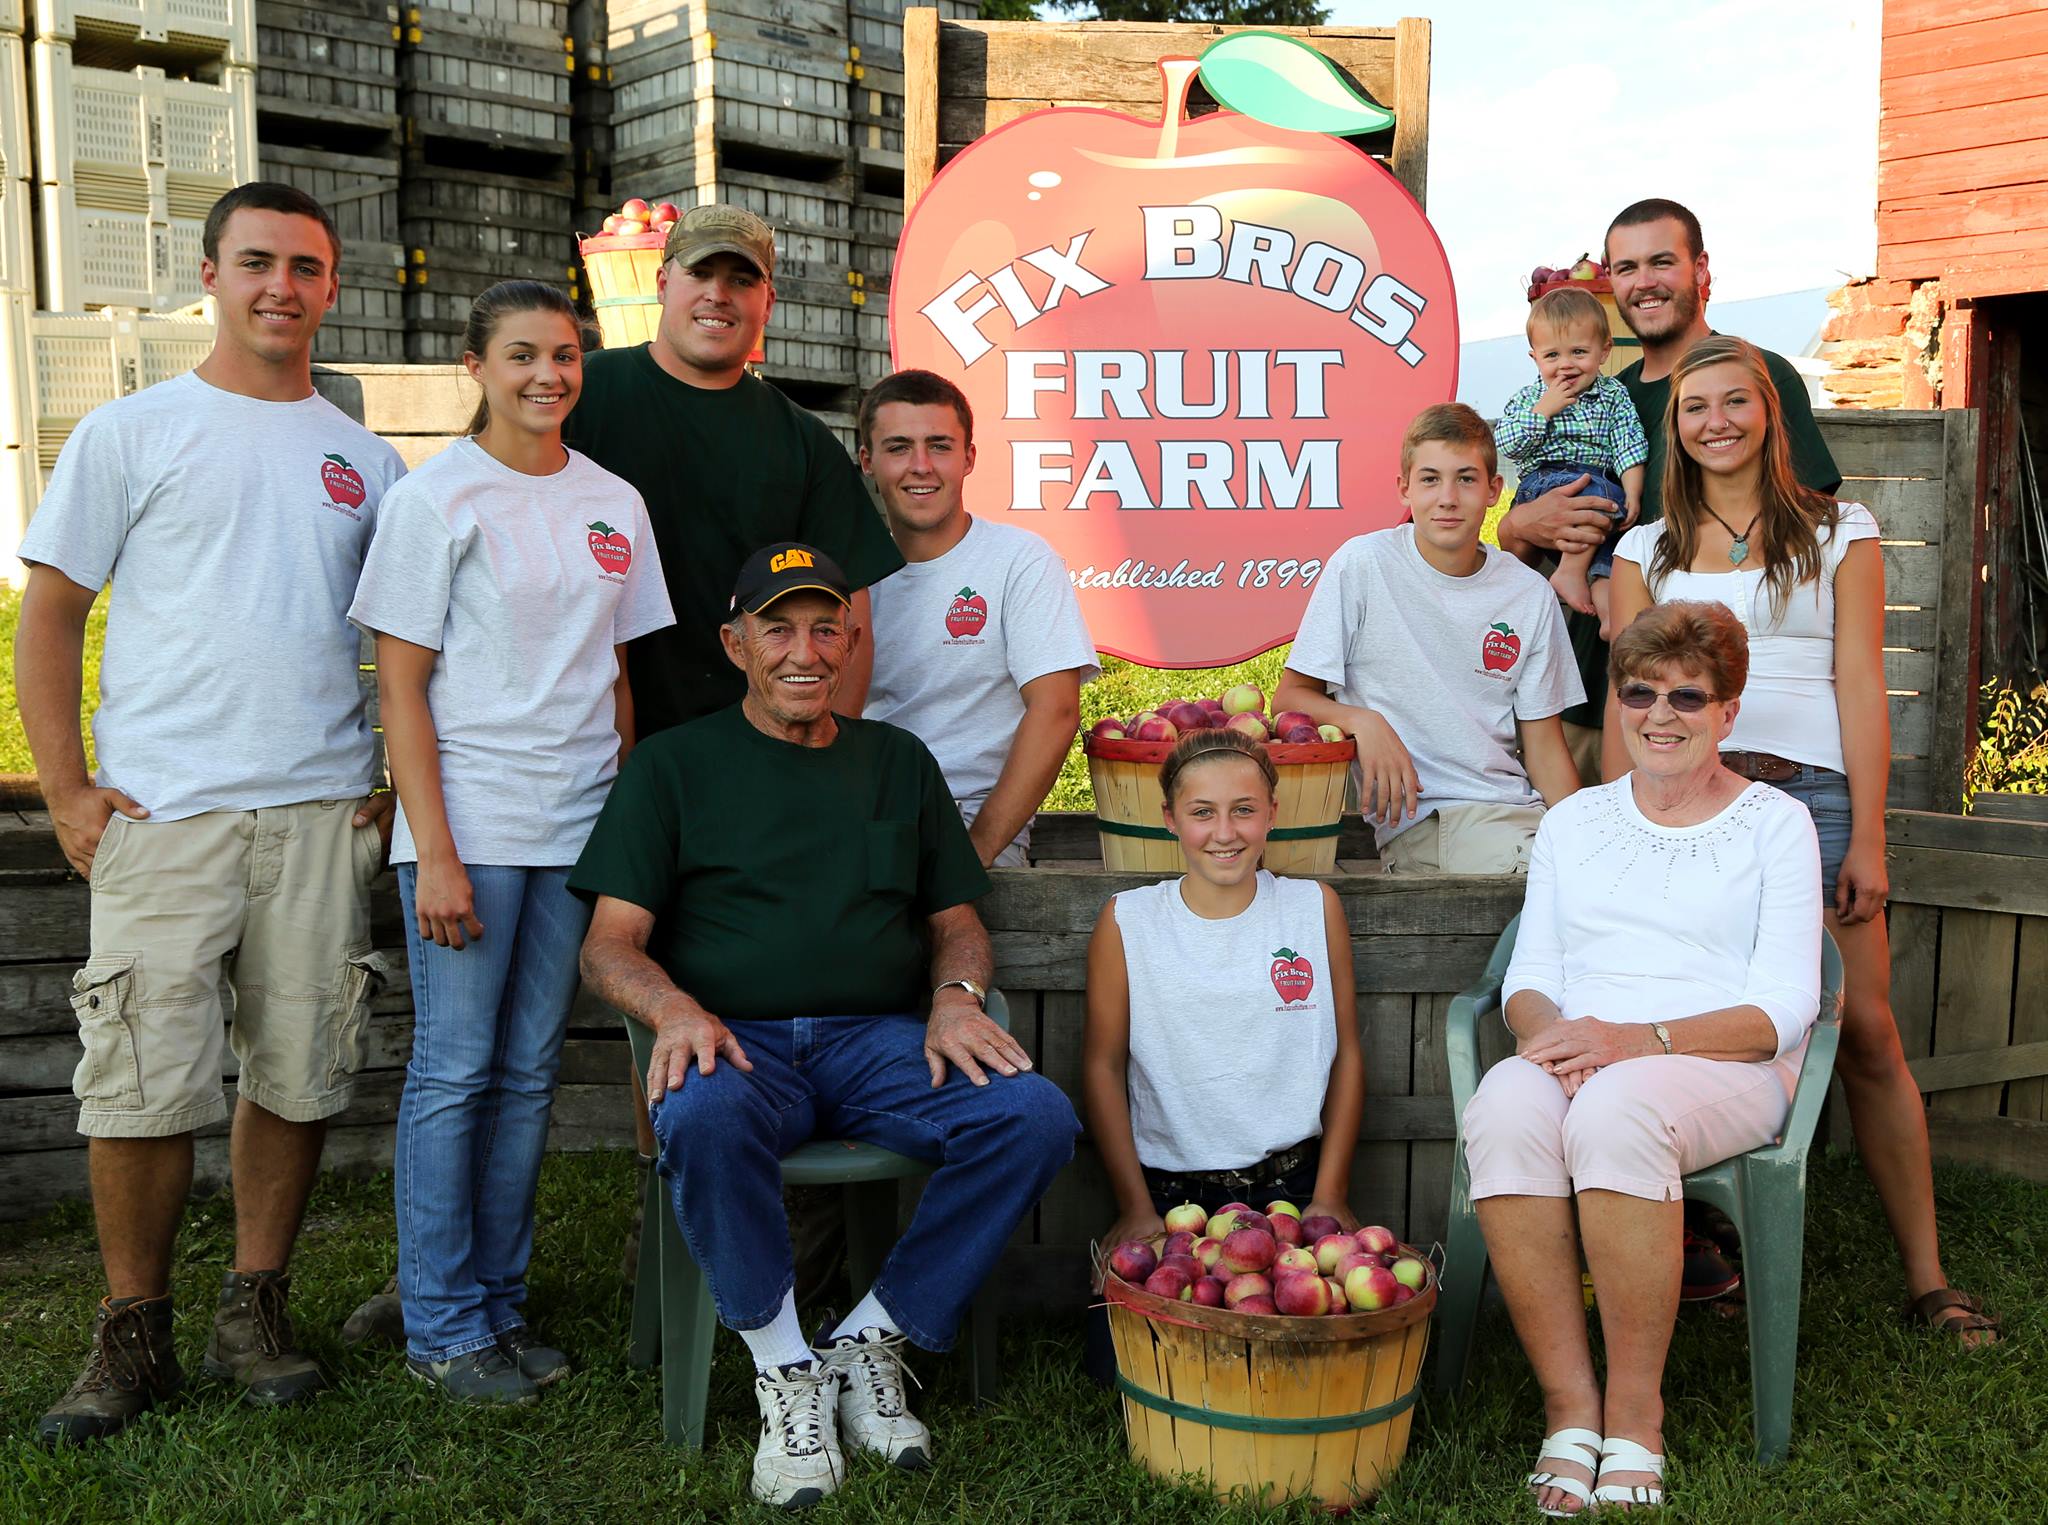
(233, 530)
(958, 637)
(524, 585)
(1451, 662)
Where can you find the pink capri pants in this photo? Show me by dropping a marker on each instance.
(1635, 1127)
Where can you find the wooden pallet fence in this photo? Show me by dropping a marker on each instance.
(360, 192)
(489, 83)
(1969, 939)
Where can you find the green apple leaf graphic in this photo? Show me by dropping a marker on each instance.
(1286, 83)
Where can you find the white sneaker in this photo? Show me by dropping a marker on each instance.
(874, 1415)
(798, 1461)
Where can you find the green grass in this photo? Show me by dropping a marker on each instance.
(14, 753)
(1891, 1424)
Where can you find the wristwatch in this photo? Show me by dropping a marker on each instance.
(980, 995)
(1663, 1035)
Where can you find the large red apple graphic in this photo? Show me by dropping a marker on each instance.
(1191, 347)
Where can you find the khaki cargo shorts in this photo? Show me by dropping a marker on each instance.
(1466, 839)
(262, 915)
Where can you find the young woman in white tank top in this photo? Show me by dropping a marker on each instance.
(1221, 1058)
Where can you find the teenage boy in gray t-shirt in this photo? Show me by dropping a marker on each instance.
(980, 649)
(1447, 661)
(230, 828)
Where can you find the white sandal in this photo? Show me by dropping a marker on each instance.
(1627, 1456)
(1559, 1447)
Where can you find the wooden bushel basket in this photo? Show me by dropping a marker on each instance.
(1125, 775)
(622, 268)
(1273, 1406)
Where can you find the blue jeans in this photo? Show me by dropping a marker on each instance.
(488, 1021)
(723, 1135)
(1825, 794)
(1542, 477)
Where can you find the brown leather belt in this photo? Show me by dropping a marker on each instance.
(1761, 767)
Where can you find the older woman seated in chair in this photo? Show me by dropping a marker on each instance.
(1664, 981)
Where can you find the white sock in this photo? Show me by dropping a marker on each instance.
(780, 1343)
(869, 1315)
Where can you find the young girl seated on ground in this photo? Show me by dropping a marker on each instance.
(1221, 1061)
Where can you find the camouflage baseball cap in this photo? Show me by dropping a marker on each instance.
(718, 229)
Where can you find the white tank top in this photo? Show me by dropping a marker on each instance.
(1233, 1028)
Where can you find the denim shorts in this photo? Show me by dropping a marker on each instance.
(1825, 794)
(1544, 475)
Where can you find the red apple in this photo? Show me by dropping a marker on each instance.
(1378, 1240)
(1108, 728)
(1306, 1295)
(1411, 1272)
(1351, 1261)
(1249, 1249)
(1402, 1295)
(1299, 735)
(1369, 1288)
(611, 223)
(1276, 1208)
(1250, 725)
(1339, 1303)
(1330, 1248)
(665, 211)
(1243, 1285)
(1133, 1261)
(1258, 1305)
(1295, 1258)
(634, 207)
(1235, 1207)
(1315, 1225)
(1170, 1282)
(1242, 699)
(628, 226)
(1207, 1253)
(1178, 1242)
(1157, 730)
(1287, 720)
(1187, 1265)
(1208, 1292)
(1287, 1230)
(1188, 1218)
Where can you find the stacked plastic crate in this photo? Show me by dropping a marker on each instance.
(327, 116)
(487, 192)
(121, 122)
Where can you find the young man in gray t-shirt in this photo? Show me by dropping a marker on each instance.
(230, 829)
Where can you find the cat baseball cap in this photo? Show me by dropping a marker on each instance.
(787, 567)
(718, 229)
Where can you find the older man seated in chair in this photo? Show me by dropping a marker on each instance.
(780, 891)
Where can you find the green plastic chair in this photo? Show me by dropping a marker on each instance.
(1763, 1191)
(674, 1320)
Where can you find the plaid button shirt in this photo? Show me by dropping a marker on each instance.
(1599, 428)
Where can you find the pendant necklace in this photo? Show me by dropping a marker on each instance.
(1738, 552)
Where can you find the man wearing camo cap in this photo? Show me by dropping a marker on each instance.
(724, 460)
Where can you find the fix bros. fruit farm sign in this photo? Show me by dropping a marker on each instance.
(1191, 346)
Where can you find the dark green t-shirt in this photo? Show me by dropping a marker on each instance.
(724, 473)
(785, 881)
(1811, 463)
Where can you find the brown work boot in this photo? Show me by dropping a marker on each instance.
(379, 1320)
(253, 1342)
(132, 1368)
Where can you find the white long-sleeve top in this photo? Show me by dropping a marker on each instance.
(1630, 921)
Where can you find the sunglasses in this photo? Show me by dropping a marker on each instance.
(1640, 696)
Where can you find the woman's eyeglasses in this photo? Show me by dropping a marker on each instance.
(1640, 696)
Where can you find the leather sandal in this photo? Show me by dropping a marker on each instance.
(1627, 1456)
(1926, 1311)
(1559, 1447)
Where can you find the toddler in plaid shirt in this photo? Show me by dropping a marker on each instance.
(1574, 422)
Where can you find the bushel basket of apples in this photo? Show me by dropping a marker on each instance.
(1242, 1324)
(622, 262)
(1585, 272)
(1123, 767)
